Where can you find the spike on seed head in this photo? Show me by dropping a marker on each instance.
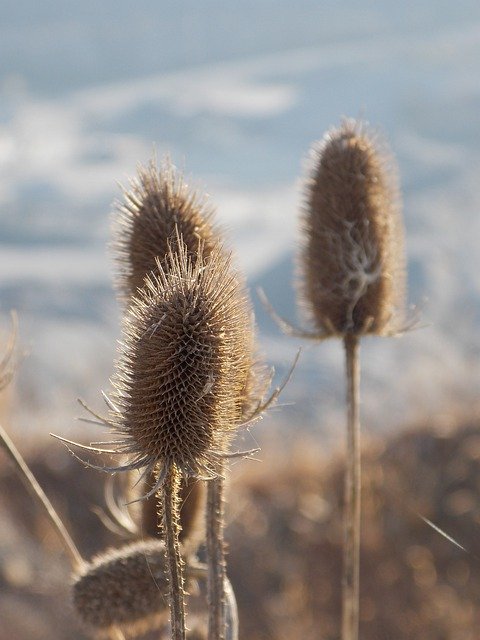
(351, 264)
(183, 369)
(158, 203)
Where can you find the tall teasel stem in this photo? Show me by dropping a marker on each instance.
(351, 549)
(216, 560)
(171, 530)
(352, 284)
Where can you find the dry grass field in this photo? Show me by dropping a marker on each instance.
(285, 542)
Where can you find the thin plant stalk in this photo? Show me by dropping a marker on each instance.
(171, 530)
(216, 559)
(351, 557)
(40, 497)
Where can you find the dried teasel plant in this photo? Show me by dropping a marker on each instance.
(180, 394)
(159, 212)
(157, 208)
(118, 593)
(351, 283)
(121, 587)
(351, 265)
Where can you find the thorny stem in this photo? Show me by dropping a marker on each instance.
(351, 550)
(171, 530)
(216, 560)
(39, 495)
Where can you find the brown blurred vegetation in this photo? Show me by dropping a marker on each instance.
(285, 542)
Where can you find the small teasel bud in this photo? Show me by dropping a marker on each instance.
(123, 588)
(157, 209)
(182, 373)
(351, 264)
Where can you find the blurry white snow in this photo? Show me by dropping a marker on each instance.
(239, 116)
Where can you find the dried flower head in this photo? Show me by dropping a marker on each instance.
(351, 264)
(123, 587)
(157, 209)
(183, 370)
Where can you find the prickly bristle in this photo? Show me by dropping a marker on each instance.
(182, 375)
(157, 203)
(351, 265)
(124, 588)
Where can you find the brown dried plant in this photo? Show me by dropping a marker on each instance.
(181, 375)
(351, 265)
(351, 284)
(121, 588)
(180, 394)
(158, 208)
(120, 592)
(159, 212)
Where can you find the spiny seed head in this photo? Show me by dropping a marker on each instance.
(352, 265)
(146, 222)
(183, 369)
(124, 588)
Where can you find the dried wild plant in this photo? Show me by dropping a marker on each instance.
(352, 283)
(351, 264)
(158, 208)
(179, 393)
(121, 587)
(182, 370)
(159, 214)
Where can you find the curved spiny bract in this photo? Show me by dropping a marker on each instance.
(157, 209)
(123, 588)
(182, 373)
(351, 265)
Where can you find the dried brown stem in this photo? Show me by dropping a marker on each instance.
(351, 558)
(216, 560)
(39, 496)
(171, 530)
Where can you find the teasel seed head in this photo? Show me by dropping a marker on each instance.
(144, 225)
(183, 370)
(351, 267)
(123, 588)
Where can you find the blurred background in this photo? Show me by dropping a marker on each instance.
(236, 92)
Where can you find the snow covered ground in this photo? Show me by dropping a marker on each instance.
(236, 92)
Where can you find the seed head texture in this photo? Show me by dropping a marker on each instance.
(351, 264)
(124, 588)
(183, 370)
(158, 207)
